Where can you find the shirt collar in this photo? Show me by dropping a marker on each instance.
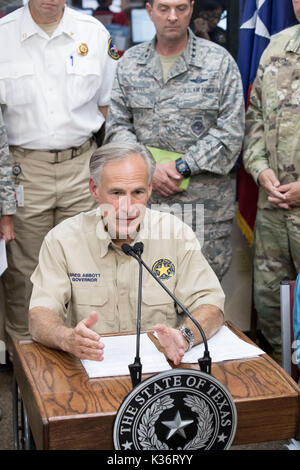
(29, 27)
(293, 44)
(188, 53)
(106, 241)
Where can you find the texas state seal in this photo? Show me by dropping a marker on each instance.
(181, 409)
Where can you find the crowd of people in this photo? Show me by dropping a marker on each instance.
(80, 174)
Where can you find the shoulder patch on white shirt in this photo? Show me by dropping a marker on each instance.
(112, 50)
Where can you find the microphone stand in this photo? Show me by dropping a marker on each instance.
(135, 369)
(205, 361)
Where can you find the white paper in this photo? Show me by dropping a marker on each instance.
(3, 259)
(120, 351)
(223, 346)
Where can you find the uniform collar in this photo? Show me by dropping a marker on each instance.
(293, 44)
(29, 27)
(149, 57)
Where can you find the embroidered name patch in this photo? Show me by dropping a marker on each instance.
(84, 277)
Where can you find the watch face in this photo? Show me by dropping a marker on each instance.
(182, 167)
(188, 334)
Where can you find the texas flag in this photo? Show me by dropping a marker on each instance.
(260, 19)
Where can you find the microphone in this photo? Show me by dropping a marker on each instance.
(135, 369)
(135, 252)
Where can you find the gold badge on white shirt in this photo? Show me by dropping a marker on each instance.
(82, 49)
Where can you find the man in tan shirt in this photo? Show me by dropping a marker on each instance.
(85, 285)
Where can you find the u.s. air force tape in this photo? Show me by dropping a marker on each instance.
(180, 409)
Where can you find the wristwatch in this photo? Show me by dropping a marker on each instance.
(188, 335)
(182, 167)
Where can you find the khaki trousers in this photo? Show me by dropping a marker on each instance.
(52, 193)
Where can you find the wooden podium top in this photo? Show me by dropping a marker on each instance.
(67, 410)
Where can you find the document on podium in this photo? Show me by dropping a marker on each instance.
(120, 351)
(223, 346)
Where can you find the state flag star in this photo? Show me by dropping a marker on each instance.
(221, 437)
(127, 445)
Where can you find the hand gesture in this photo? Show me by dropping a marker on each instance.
(172, 341)
(83, 342)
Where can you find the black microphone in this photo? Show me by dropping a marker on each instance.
(205, 361)
(135, 369)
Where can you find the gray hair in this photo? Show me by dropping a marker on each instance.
(118, 151)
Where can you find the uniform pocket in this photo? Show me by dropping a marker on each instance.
(86, 299)
(198, 114)
(84, 80)
(17, 83)
(158, 307)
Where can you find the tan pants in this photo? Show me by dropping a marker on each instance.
(52, 193)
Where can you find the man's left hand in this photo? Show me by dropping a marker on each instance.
(7, 228)
(172, 341)
(291, 194)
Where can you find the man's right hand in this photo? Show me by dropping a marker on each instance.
(269, 181)
(83, 342)
(166, 179)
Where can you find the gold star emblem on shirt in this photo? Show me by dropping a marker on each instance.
(82, 49)
(163, 270)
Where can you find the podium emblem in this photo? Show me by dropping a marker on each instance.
(181, 409)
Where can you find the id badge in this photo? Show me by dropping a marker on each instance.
(20, 195)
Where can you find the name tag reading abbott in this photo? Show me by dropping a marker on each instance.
(181, 409)
(84, 277)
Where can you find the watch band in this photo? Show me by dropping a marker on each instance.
(188, 335)
(182, 167)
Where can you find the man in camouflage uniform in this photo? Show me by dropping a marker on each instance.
(184, 94)
(7, 195)
(7, 209)
(272, 156)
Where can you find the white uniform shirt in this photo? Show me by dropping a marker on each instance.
(50, 92)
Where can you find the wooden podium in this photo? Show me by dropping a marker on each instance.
(67, 410)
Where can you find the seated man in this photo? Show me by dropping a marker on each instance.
(85, 285)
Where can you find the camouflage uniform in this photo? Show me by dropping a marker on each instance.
(197, 112)
(273, 141)
(7, 194)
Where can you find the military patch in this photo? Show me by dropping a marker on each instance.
(197, 127)
(112, 50)
(199, 80)
(181, 409)
(163, 269)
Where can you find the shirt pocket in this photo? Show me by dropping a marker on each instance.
(198, 114)
(86, 299)
(84, 80)
(141, 103)
(17, 83)
(157, 307)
